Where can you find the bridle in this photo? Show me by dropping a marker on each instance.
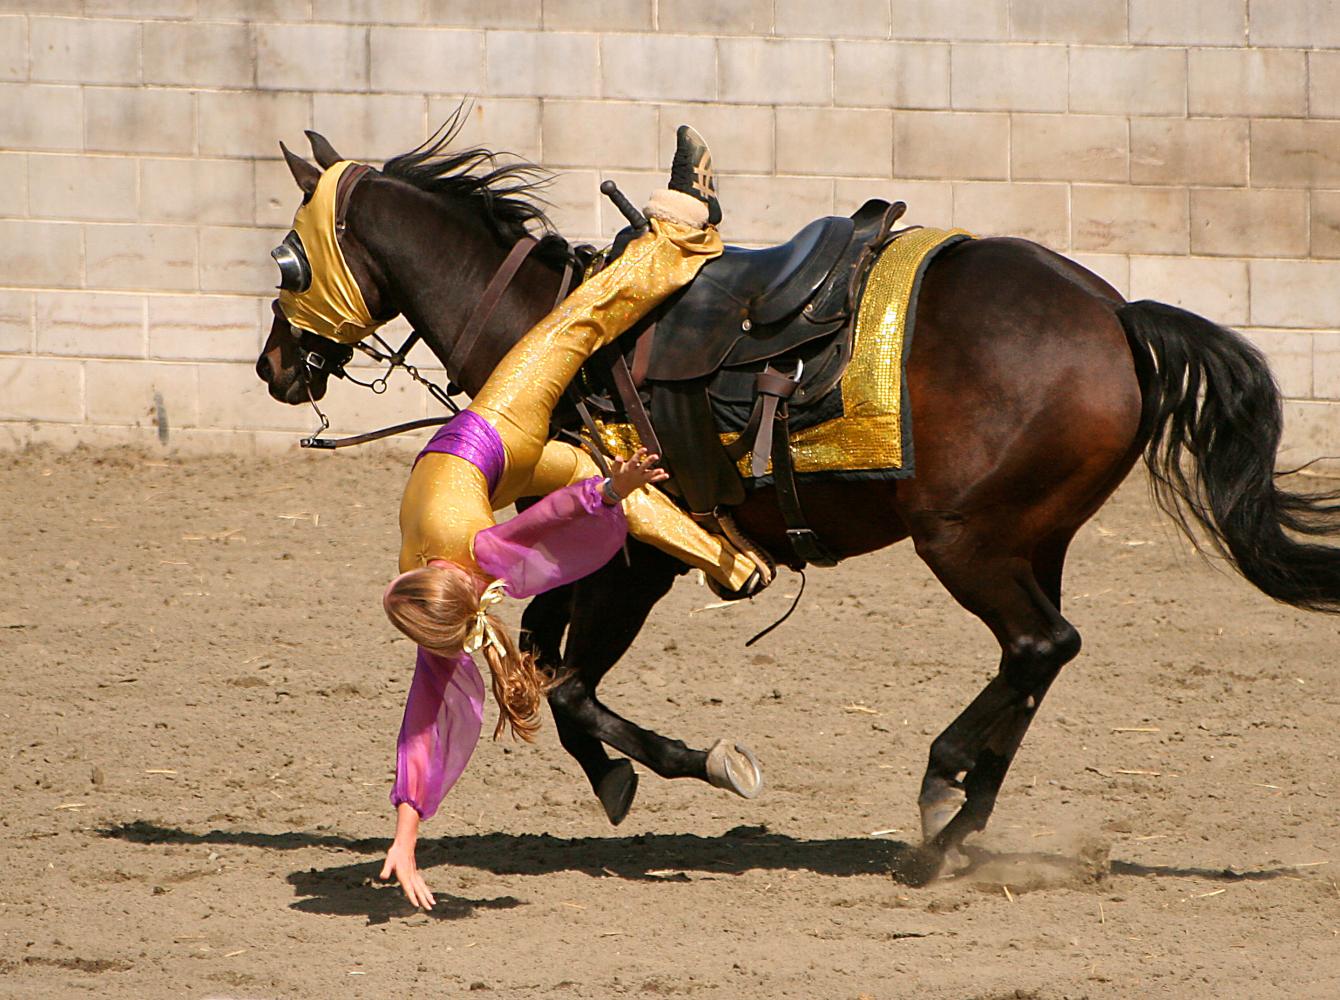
(320, 354)
(331, 358)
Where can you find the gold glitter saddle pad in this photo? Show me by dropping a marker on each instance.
(864, 428)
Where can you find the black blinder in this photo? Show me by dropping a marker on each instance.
(295, 273)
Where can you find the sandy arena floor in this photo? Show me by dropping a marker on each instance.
(201, 696)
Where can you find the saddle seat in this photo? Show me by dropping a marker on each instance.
(749, 306)
(789, 272)
(732, 313)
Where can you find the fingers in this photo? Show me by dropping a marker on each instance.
(416, 891)
(640, 459)
(632, 473)
(413, 886)
(426, 899)
(411, 882)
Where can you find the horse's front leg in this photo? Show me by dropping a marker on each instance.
(607, 612)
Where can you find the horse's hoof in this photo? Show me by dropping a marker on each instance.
(954, 861)
(732, 766)
(616, 791)
(935, 816)
(919, 866)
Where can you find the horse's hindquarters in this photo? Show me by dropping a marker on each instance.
(1024, 392)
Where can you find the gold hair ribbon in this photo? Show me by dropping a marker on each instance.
(482, 632)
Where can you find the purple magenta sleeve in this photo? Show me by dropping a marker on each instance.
(569, 534)
(443, 716)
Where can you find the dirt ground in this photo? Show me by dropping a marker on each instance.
(201, 696)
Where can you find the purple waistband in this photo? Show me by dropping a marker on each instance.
(474, 439)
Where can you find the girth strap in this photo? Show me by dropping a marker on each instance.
(774, 389)
(770, 386)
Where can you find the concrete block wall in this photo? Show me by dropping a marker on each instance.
(1186, 151)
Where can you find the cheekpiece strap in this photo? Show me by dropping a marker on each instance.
(348, 181)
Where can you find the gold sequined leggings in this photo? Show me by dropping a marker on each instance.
(446, 501)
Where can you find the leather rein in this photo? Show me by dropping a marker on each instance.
(319, 354)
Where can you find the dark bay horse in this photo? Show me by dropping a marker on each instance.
(1034, 389)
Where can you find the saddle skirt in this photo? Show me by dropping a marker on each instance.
(871, 433)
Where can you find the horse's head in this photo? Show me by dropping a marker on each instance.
(426, 236)
(330, 296)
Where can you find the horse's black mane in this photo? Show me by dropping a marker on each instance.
(506, 194)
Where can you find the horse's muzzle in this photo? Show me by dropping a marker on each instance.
(289, 386)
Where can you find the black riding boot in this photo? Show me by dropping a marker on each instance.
(691, 172)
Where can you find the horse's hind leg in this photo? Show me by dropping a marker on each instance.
(969, 760)
(626, 599)
(609, 610)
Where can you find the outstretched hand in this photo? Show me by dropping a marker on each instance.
(400, 865)
(629, 474)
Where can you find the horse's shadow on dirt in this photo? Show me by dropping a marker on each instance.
(349, 890)
(352, 889)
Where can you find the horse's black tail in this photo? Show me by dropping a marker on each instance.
(1209, 394)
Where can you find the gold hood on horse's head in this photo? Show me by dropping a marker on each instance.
(332, 306)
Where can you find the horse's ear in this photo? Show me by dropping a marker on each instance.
(303, 172)
(323, 151)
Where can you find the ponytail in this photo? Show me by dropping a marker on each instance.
(519, 684)
(437, 607)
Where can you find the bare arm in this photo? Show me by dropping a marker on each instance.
(400, 862)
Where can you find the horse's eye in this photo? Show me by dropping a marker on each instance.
(295, 273)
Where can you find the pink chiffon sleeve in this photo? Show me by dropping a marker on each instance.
(443, 716)
(569, 534)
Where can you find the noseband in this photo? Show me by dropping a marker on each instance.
(320, 354)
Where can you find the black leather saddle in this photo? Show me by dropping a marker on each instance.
(751, 305)
(733, 310)
(707, 361)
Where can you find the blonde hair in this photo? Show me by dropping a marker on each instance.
(435, 607)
